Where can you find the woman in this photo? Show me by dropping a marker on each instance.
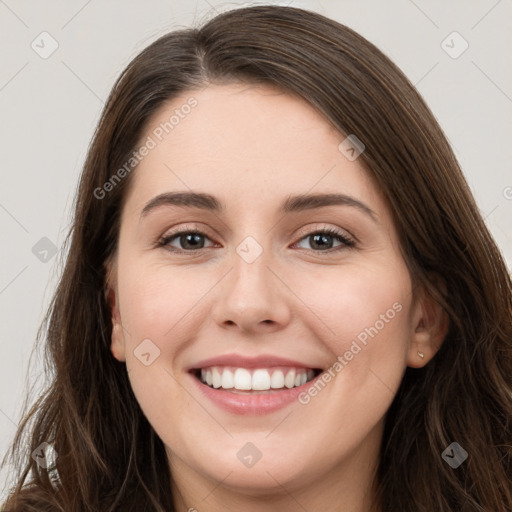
(279, 292)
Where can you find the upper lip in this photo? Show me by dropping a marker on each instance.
(239, 361)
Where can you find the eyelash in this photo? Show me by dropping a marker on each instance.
(341, 237)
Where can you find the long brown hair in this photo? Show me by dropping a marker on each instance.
(109, 457)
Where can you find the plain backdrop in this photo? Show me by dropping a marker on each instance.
(50, 104)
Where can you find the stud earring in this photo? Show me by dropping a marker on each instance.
(421, 354)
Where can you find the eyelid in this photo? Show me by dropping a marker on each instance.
(305, 231)
(187, 227)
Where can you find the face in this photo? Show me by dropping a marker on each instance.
(265, 332)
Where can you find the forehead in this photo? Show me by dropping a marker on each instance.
(248, 145)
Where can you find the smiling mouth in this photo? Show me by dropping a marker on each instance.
(255, 381)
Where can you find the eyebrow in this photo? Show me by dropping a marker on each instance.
(292, 204)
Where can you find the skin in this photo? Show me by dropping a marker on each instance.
(251, 147)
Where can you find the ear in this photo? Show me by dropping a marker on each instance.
(430, 325)
(117, 346)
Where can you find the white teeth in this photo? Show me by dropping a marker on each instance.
(216, 378)
(259, 379)
(243, 380)
(228, 381)
(289, 380)
(277, 380)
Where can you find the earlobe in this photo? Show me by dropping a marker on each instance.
(430, 326)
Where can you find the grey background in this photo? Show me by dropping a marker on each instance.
(49, 108)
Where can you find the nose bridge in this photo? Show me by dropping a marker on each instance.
(252, 279)
(251, 297)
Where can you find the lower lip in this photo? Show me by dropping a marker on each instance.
(248, 404)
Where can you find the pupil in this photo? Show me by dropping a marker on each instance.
(192, 239)
(322, 239)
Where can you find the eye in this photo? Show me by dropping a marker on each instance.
(189, 240)
(193, 240)
(321, 241)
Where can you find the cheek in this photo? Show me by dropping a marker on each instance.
(159, 310)
(159, 299)
(354, 303)
(157, 305)
(364, 314)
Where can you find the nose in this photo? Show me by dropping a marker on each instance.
(252, 297)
